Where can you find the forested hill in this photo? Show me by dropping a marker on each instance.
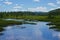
(55, 12)
(24, 13)
(52, 12)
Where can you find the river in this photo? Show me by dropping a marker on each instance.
(38, 31)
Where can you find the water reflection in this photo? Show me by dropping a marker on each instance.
(40, 31)
(1, 31)
(24, 22)
(3, 28)
(55, 26)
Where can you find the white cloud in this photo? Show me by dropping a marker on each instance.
(8, 3)
(15, 10)
(37, 0)
(23, 10)
(38, 9)
(56, 35)
(52, 4)
(54, 8)
(17, 6)
(58, 7)
(58, 1)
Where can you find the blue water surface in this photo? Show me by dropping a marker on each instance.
(40, 31)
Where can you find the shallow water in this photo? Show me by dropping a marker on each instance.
(40, 31)
(13, 19)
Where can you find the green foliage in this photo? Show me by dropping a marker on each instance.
(54, 17)
(54, 13)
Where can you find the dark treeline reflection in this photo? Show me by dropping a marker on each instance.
(2, 27)
(55, 26)
(54, 17)
(1, 30)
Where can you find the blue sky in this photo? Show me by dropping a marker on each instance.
(29, 5)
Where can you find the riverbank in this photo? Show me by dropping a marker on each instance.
(17, 21)
(30, 18)
(13, 21)
(4, 23)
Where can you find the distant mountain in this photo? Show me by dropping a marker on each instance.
(25, 13)
(41, 13)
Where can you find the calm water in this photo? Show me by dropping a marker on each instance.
(40, 31)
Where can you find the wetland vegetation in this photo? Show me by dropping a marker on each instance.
(51, 16)
(14, 22)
